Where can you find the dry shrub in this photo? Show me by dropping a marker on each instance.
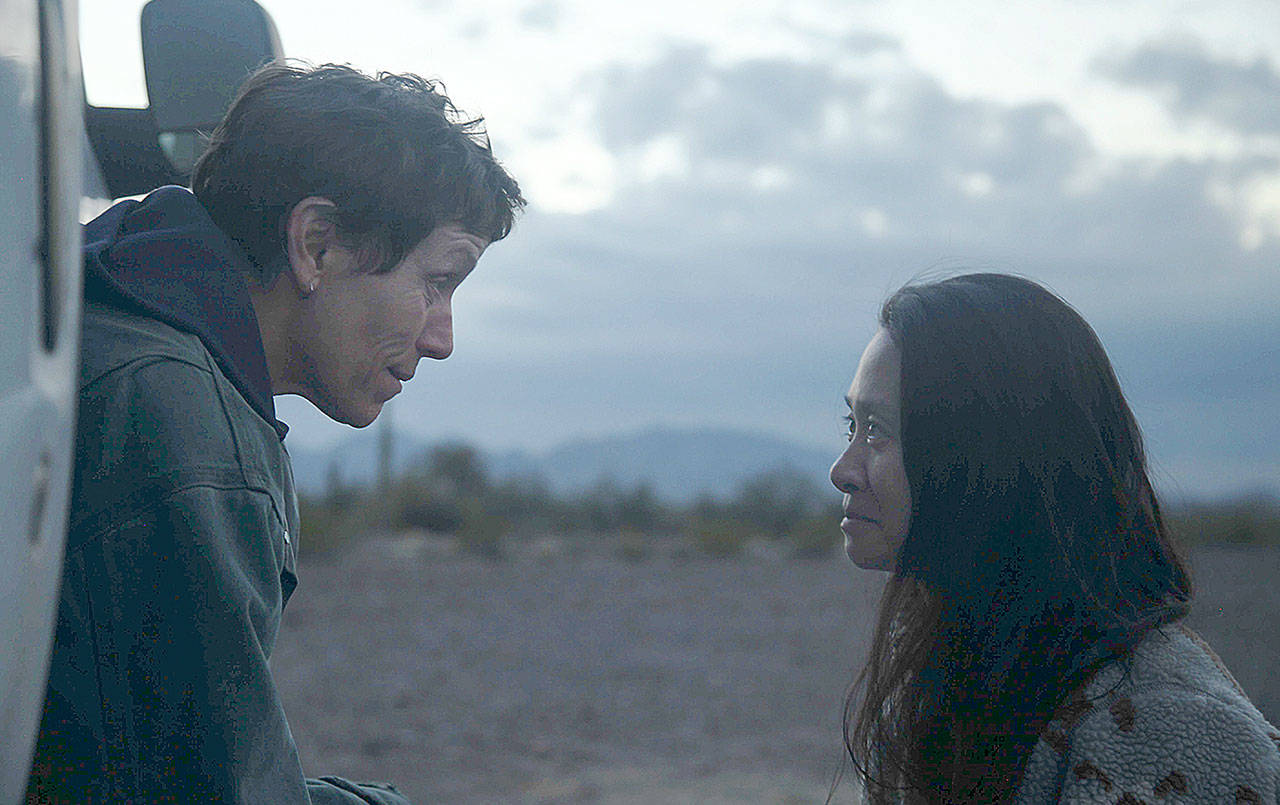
(1249, 521)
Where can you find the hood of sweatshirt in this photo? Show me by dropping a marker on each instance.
(163, 256)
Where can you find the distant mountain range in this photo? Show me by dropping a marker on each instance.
(678, 464)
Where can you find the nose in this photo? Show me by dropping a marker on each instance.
(436, 338)
(848, 474)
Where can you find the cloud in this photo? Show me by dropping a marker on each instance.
(864, 140)
(542, 15)
(869, 42)
(738, 284)
(1243, 96)
(776, 151)
(765, 207)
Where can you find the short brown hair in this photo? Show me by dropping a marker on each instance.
(392, 152)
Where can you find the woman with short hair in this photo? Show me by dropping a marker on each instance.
(1029, 645)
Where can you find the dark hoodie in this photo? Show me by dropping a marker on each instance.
(164, 257)
(181, 547)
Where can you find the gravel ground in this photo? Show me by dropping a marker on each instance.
(566, 676)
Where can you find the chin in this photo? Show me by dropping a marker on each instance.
(869, 557)
(363, 418)
(357, 416)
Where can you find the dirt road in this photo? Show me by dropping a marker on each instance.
(559, 677)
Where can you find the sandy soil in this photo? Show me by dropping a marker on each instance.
(559, 675)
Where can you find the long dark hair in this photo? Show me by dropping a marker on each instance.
(1036, 549)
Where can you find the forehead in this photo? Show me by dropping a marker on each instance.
(879, 374)
(452, 235)
(445, 240)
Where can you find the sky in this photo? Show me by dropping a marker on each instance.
(723, 193)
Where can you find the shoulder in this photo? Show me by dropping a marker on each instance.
(113, 339)
(1173, 674)
(156, 416)
(149, 387)
(1169, 719)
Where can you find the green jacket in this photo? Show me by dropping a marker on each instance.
(181, 554)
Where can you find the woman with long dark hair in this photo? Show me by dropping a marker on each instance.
(1028, 646)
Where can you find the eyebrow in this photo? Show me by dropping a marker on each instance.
(880, 407)
(863, 402)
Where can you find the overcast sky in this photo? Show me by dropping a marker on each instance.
(722, 193)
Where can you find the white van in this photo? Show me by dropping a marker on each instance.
(58, 157)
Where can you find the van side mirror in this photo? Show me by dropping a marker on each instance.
(196, 54)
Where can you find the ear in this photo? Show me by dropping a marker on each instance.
(309, 233)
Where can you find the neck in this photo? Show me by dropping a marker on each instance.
(275, 307)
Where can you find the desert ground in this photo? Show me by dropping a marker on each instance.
(565, 673)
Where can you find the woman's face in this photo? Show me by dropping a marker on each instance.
(364, 333)
(870, 473)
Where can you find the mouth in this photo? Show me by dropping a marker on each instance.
(390, 390)
(851, 516)
(401, 376)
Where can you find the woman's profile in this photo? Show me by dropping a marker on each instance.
(1028, 646)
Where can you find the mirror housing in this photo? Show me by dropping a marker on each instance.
(197, 53)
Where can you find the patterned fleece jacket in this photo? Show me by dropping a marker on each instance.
(1171, 725)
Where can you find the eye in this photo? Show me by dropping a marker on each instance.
(875, 431)
(437, 284)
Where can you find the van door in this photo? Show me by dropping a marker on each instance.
(40, 161)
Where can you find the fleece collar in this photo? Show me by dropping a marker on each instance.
(165, 257)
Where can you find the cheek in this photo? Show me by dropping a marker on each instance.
(904, 506)
(904, 492)
(398, 326)
(895, 491)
